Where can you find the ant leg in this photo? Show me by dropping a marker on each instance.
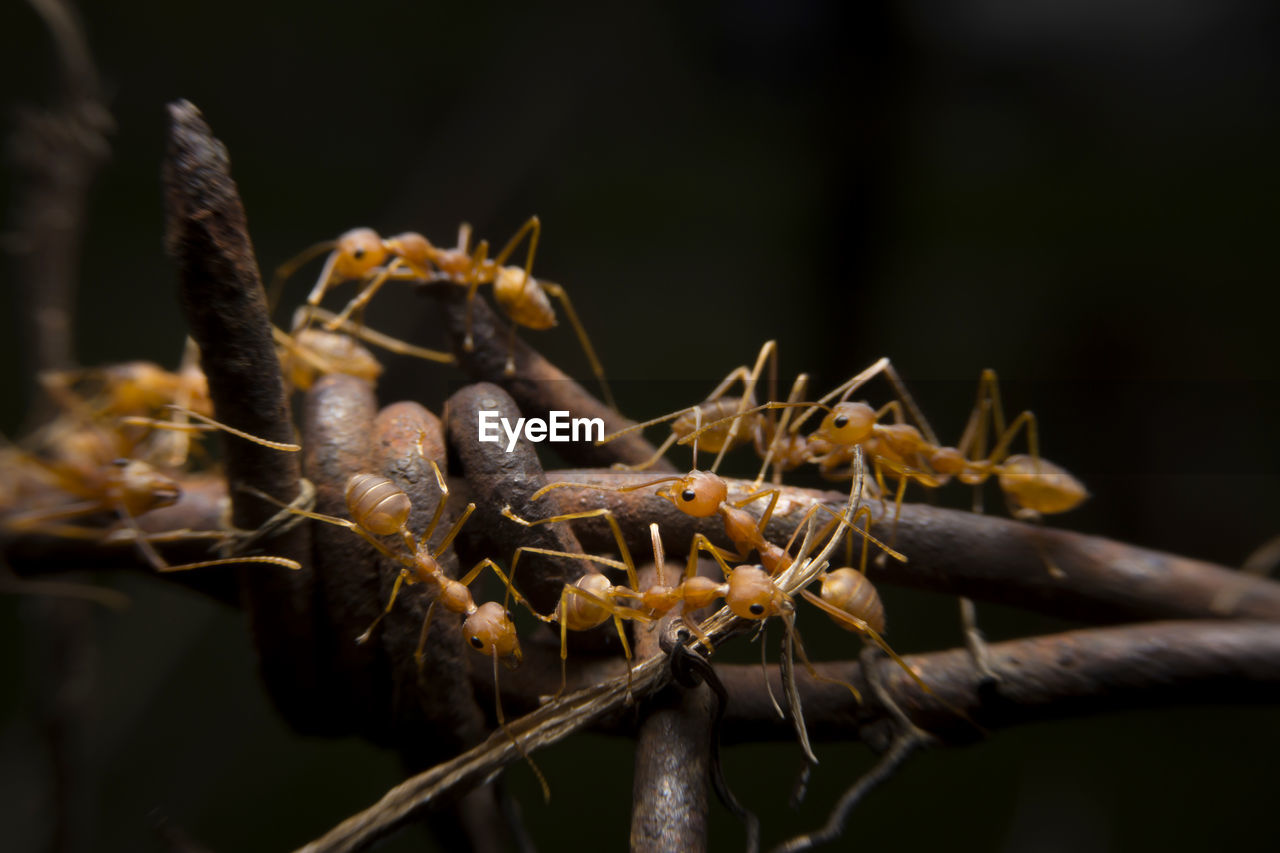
(648, 463)
(764, 407)
(361, 299)
(845, 389)
(617, 612)
(378, 339)
(324, 282)
(852, 623)
(699, 544)
(584, 340)
(508, 583)
(798, 389)
(817, 676)
(502, 721)
(473, 280)
(395, 591)
(773, 495)
(604, 513)
(1001, 451)
(420, 653)
(453, 531)
(768, 354)
(532, 227)
(900, 389)
(976, 644)
(210, 423)
(232, 561)
(632, 488)
(403, 559)
(286, 270)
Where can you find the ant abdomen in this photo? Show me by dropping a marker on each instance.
(850, 591)
(723, 408)
(1039, 486)
(377, 504)
(522, 299)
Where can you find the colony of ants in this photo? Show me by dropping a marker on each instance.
(122, 439)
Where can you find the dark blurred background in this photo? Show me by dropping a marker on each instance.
(1075, 194)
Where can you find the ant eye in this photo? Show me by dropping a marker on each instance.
(476, 643)
(688, 495)
(756, 609)
(358, 254)
(120, 463)
(841, 421)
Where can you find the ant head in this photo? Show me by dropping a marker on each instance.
(490, 631)
(377, 504)
(358, 251)
(752, 594)
(698, 493)
(847, 424)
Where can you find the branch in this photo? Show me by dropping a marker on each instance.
(673, 758)
(56, 152)
(949, 551)
(962, 553)
(221, 294)
(1064, 675)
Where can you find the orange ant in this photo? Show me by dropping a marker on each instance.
(589, 601)
(378, 507)
(1032, 485)
(126, 487)
(702, 494)
(86, 454)
(769, 438)
(311, 353)
(362, 254)
(847, 597)
(136, 389)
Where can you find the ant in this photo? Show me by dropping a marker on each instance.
(128, 488)
(86, 453)
(362, 254)
(380, 508)
(589, 601)
(117, 393)
(770, 439)
(1032, 485)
